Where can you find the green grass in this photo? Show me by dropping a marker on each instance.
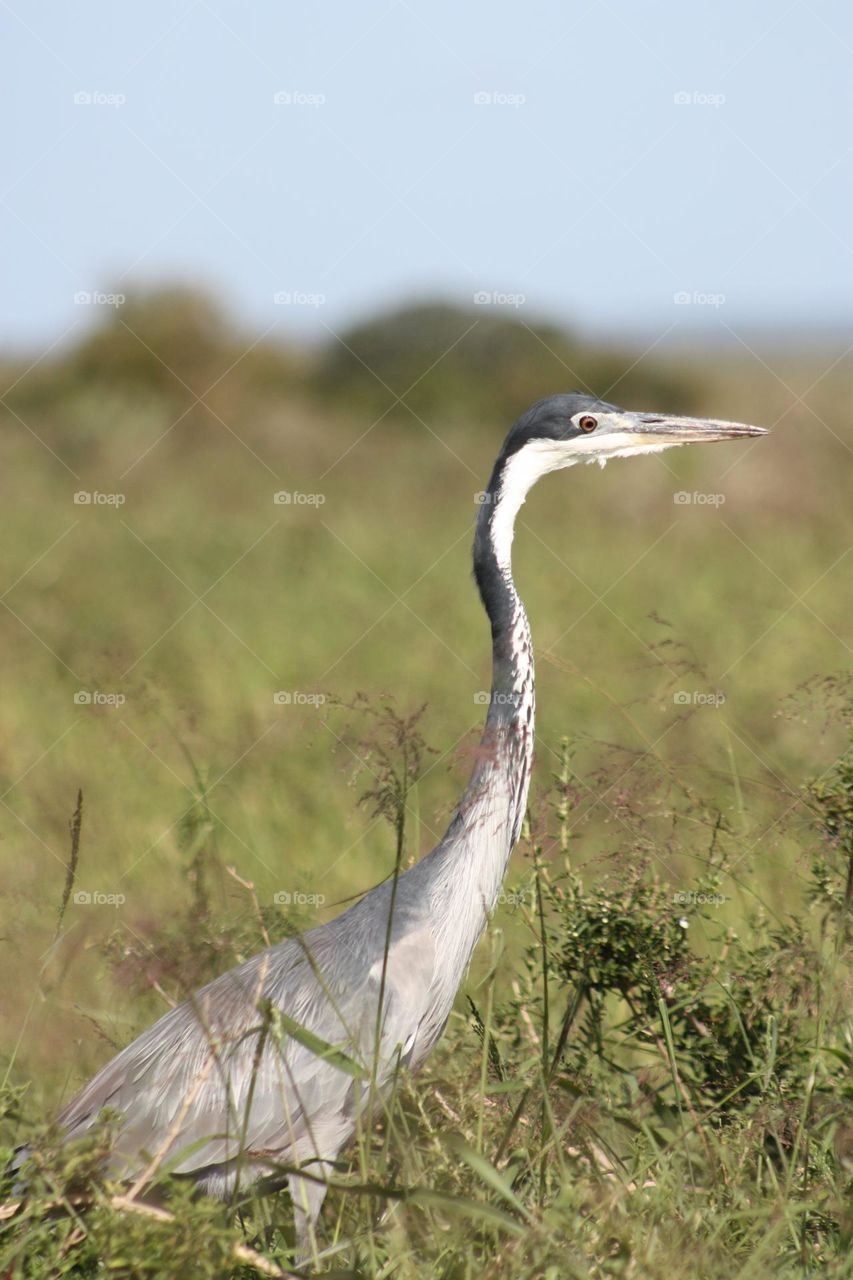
(622, 1157)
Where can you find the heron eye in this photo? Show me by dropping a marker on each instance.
(587, 422)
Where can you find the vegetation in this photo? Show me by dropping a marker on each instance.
(648, 1072)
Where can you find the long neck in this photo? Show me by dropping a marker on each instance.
(507, 743)
(473, 856)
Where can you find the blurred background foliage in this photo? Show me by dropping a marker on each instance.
(693, 655)
(198, 598)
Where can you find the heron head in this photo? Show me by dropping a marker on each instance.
(566, 429)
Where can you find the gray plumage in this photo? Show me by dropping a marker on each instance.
(214, 1090)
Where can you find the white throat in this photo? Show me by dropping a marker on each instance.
(538, 457)
(522, 471)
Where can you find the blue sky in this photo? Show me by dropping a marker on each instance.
(588, 161)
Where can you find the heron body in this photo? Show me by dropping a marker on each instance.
(219, 1094)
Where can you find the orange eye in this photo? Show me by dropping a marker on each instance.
(587, 422)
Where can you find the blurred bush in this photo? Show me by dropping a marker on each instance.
(173, 352)
(478, 363)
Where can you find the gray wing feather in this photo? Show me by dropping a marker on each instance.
(194, 1088)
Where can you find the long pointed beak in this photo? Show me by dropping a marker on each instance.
(688, 430)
